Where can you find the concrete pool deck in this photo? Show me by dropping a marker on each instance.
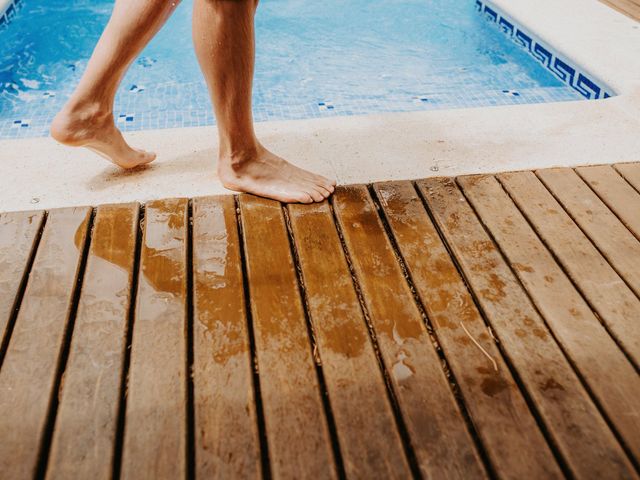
(38, 173)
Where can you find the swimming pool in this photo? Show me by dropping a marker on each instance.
(314, 59)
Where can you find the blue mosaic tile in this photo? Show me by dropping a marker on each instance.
(571, 75)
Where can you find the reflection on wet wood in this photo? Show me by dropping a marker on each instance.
(605, 291)
(227, 439)
(18, 232)
(356, 342)
(569, 414)
(85, 431)
(296, 427)
(499, 412)
(616, 193)
(30, 368)
(577, 329)
(156, 414)
(363, 415)
(442, 444)
(612, 238)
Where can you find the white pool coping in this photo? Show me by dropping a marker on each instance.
(39, 173)
(4, 4)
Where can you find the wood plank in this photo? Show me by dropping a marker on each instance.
(85, 432)
(227, 441)
(370, 443)
(31, 364)
(296, 427)
(511, 438)
(630, 172)
(626, 7)
(438, 433)
(616, 193)
(601, 286)
(156, 413)
(571, 418)
(18, 232)
(611, 378)
(612, 238)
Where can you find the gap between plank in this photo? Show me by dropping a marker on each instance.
(565, 271)
(566, 210)
(124, 376)
(600, 197)
(324, 393)
(262, 431)
(190, 420)
(505, 356)
(393, 400)
(575, 368)
(450, 376)
(22, 288)
(45, 441)
(615, 167)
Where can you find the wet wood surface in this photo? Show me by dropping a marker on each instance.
(155, 434)
(442, 442)
(90, 393)
(559, 398)
(470, 327)
(18, 235)
(511, 438)
(29, 374)
(295, 422)
(363, 415)
(226, 438)
(579, 331)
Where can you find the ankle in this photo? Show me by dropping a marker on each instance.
(237, 157)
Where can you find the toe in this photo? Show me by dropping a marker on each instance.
(315, 193)
(325, 192)
(145, 157)
(303, 197)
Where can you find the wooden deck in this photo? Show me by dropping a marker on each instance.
(630, 8)
(477, 327)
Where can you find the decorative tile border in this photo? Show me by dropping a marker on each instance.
(8, 11)
(570, 74)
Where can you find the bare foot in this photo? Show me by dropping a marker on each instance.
(90, 128)
(267, 175)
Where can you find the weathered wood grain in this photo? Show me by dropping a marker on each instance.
(631, 173)
(508, 430)
(574, 423)
(616, 193)
(227, 440)
(602, 365)
(18, 232)
(439, 437)
(156, 413)
(601, 286)
(296, 426)
(84, 437)
(31, 364)
(613, 239)
(370, 443)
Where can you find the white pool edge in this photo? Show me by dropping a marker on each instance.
(379, 147)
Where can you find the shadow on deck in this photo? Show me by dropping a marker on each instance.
(446, 328)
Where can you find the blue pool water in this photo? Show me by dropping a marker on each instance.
(314, 59)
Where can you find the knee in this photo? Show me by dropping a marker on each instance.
(228, 6)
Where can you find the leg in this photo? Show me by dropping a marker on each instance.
(223, 32)
(87, 118)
